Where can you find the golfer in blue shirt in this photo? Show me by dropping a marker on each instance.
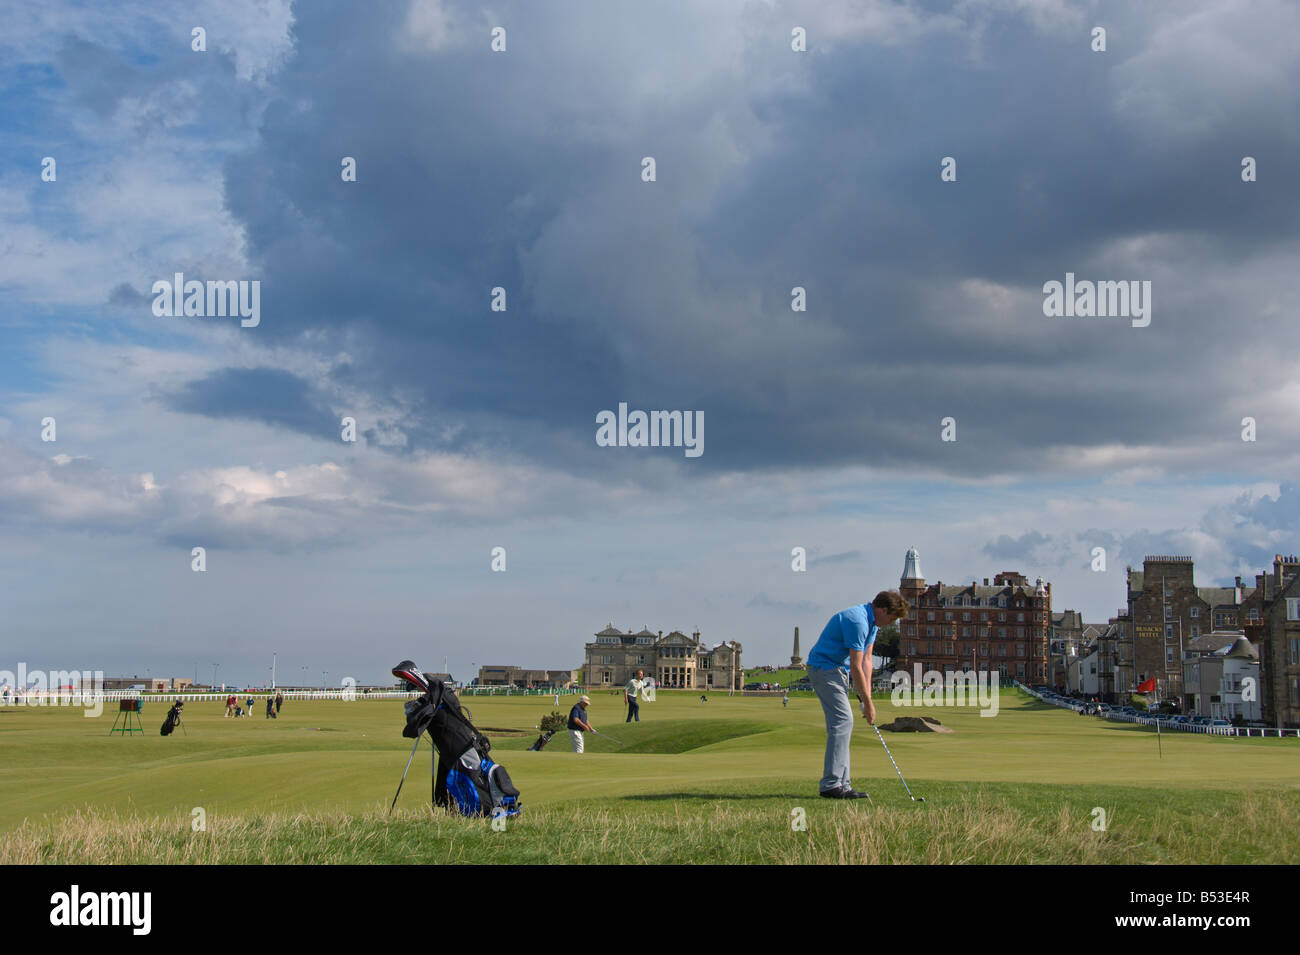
(842, 655)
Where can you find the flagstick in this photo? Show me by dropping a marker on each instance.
(1159, 744)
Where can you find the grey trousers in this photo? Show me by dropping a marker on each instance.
(832, 688)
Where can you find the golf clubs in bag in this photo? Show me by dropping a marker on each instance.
(173, 715)
(468, 780)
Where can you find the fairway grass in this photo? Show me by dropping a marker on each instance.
(723, 782)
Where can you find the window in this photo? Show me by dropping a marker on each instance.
(911, 649)
(1002, 618)
(1295, 650)
(1169, 612)
(1292, 608)
(966, 617)
(1020, 650)
(1020, 618)
(1169, 631)
(1002, 633)
(929, 631)
(1196, 631)
(948, 615)
(1196, 612)
(1169, 654)
(1253, 615)
(931, 617)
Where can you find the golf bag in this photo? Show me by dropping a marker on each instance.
(541, 741)
(169, 724)
(467, 781)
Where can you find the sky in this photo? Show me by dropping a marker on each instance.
(921, 398)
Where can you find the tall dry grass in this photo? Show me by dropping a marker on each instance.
(1257, 828)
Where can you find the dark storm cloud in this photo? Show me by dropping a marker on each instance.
(521, 170)
(260, 394)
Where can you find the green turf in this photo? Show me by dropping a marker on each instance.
(733, 769)
(784, 677)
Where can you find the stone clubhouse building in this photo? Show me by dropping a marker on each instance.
(676, 661)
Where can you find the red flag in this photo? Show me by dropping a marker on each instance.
(1148, 687)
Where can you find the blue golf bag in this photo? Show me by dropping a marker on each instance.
(467, 780)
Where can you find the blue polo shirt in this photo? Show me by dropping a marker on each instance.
(852, 629)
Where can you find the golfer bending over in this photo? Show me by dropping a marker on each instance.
(578, 722)
(843, 653)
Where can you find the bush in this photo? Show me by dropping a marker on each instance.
(553, 722)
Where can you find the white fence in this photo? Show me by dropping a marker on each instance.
(89, 697)
(1166, 724)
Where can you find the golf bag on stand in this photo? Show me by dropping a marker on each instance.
(467, 780)
(173, 717)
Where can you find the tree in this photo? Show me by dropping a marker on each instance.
(887, 643)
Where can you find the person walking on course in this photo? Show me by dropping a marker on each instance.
(270, 709)
(634, 686)
(842, 656)
(578, 722)
(279, 702)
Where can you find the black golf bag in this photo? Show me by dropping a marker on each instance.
(541, 741)
(169, 724)
(467, 781)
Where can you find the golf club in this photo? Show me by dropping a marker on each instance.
(404, 772)
(896, 769)
(610, 738)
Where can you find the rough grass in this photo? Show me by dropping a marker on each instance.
(990, 827)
